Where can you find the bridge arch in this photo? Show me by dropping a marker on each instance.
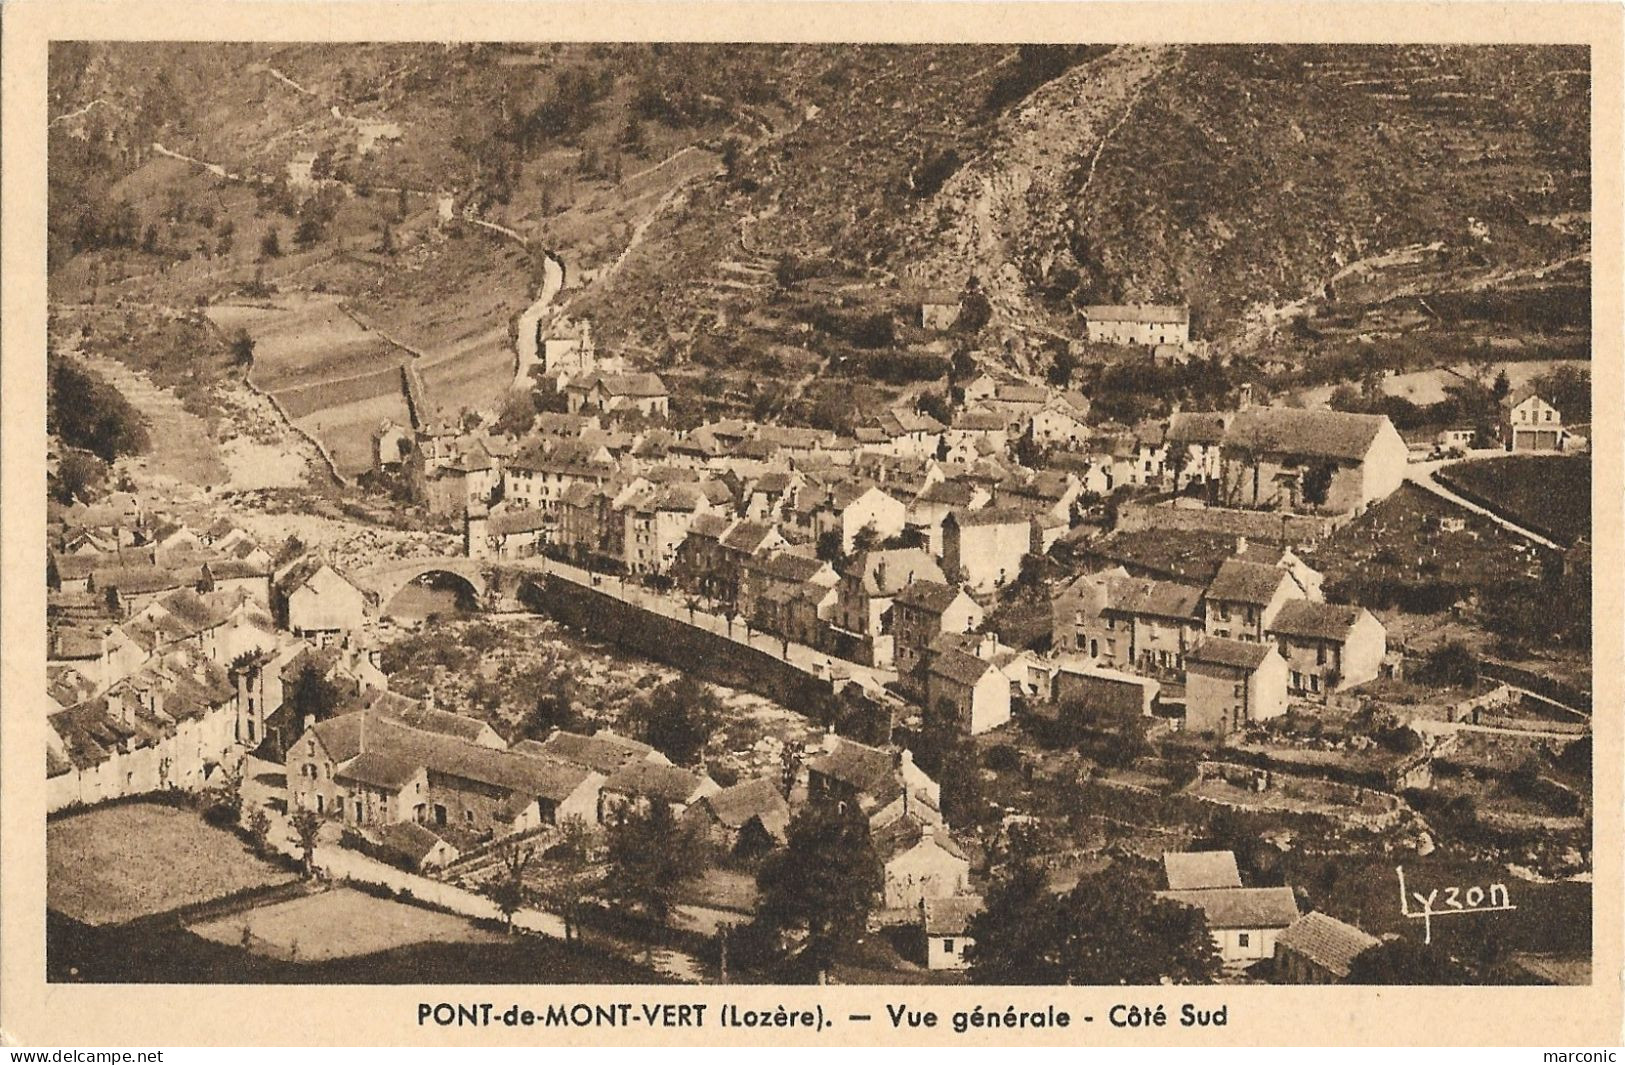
(387, 580)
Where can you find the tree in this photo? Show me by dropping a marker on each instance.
(306, 233)
(1317, 482)
(270, 244)
(386, 243)
(85, 411)
(1404, 962)
(829, 548)
(865, 539)
(312, 696)
(651, 856)
(678, 718)
(259, 829)
(974, 312)
(960, 772)
(306, 827)
(1012, 935)
(823, 883)
(568, 881)
(518, 413)
(508, 890)
(80, 476)
(242, 348)
(1061, 369)
(1502, 386)
(1112, 928)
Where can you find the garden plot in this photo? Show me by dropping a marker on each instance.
(341, 923)
(117, 863)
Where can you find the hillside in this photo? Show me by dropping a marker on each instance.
(740, 217)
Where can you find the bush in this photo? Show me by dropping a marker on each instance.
(221, 815)
(1003, 758)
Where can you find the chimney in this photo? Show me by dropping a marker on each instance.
(830, 740)
(988, 647)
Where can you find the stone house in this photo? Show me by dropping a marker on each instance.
(984, 548)
(1141, 324)
(1244, 597)
(922, 612)
(1328, 647)
(1315, 460)
(1230, 684)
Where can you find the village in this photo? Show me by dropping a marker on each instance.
(1008, 651)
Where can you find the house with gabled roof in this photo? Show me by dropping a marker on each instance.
(1328, 647)
(312, 599)
(1529, 422)
(369, 768)
(984, 548)
(1319, 949)
(965, 680)
(923, 611)
(1315, 460)
(884, 784)
(747, 819)
(945, 930)
(640, 783)
(1244, 922)
(1194, 442)
(1139, 324)
(1230, 684)
(939, 499)
(869, 584)
(850, 507)
(1243, 598)
(921, 862)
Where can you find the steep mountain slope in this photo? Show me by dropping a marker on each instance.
(739, 216)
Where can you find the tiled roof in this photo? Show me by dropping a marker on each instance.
(603, 751)
(759, 798)
(990, 516)
(1241, 907)
(889, 572)
(933, 596)
(380, 769)
(1326, 941)
(905, 833)
(1193, 427)
(951, 916)
(1238, 654)
(1143, 313)
(1142, 595)
(959, 667)
(1317, 621)
(1246, 582)
(1309, 433)
(652, 780)
(511, 522)
(410, 839)
(1188, 870)
(869, 770)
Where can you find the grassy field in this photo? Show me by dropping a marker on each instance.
(164, 952)
(1551, 492)
(117, 863)
(338, 924)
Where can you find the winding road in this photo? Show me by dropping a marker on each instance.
(1421, 474)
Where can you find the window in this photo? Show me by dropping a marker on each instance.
(947, 946)
(1314, 682)
(468, 816)
(1297, 679)
(1320, 654)
(1241, 939)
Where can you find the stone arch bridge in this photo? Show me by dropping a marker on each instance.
(385, 580)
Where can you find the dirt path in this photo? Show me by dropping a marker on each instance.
(1421, 475)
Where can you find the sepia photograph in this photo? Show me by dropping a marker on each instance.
(638, 512)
